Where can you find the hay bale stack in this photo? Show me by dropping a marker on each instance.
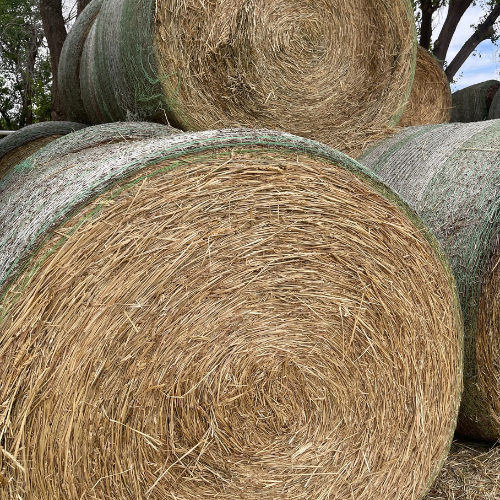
(229, 314)
(24, 142)
(450, 175)
(430, 98)
(472, 104)
(69, 63)
(336, 71)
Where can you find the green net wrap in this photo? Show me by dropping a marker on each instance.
(69, 63)
(118, 76)
(450, 175)
(471, 104)
(36, 131)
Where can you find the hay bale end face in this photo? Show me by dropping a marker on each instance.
(336, 71)
(430, 99)
(18, 146)
(472, 104)
(226, 313)
(450, 175)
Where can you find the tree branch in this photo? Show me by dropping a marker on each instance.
(484, 31)
(456, 10)
(55, 34)
(428, 7)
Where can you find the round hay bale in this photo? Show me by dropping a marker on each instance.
(430, 98)
(450, 175)
(472, 104)
(494, 111)
(336, 71)
(228, 314)
(69, 63)
(24, 142)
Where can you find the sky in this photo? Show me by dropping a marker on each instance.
(478, 68)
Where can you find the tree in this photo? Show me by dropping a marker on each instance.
(55, 32)
(23, 59)
(484, 30)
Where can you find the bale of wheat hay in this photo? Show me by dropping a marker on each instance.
(472, 104)
(430, 97)
(336, 71)
(450, 175)
(24, 142)
(229, 314)
(68, 76)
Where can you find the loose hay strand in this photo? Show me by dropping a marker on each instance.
(471, 472)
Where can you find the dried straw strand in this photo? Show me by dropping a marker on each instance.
(471, 472)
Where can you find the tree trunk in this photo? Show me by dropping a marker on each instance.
(456, 10)
(55, 33)
(6, 118)
(483, 32)
(28, 75)
(428, 7)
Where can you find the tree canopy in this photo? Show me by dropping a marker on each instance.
(25, 79)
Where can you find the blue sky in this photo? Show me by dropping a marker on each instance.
(477, 68)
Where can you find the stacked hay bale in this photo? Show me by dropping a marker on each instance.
(24, 142)
(450, 175)
(336, 71)
(430, 99)
(472, 104)
(230, 314)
